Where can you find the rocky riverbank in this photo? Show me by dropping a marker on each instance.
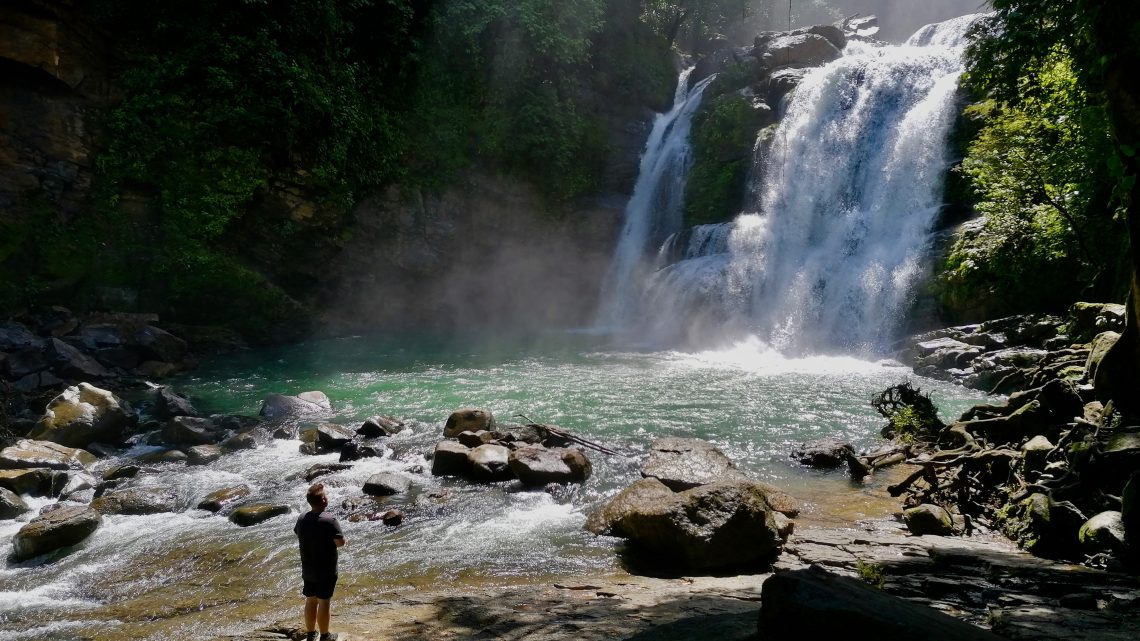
(984, 581)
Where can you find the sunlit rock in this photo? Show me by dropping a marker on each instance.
(489, 463)
(928, 519)
(11, 505)
(32, 482)
(203, 454)
(378, 426)
(82, 414)
(1103, 533)
(28, 453)
(719, 525)
(450, 459)
(684, 463)
(57, 529)
(248, 515)
(137, 500)
(218, 500)
(468, 419)
(386, 484)
(536, 466)
(280, 406)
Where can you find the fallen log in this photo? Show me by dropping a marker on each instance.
(560, 433)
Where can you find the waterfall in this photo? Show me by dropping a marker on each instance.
(653, 212)
(828, 255)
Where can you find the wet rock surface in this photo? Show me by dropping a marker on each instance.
(684, 463)
(57, 529)
(987, 583)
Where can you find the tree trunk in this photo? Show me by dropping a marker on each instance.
(1114, 26)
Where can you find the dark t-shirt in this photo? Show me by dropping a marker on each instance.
(316, 533)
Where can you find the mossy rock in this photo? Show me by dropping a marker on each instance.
(248, 515)
(1043, 526)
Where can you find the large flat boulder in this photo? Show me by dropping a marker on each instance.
(57, 529)
(137, 500)
(386, 484)
(797, 50)
(684, 463)
(84, 414)
(715, 526)
(537, 466)
(28, 453)
(450, 459)
(280, 406)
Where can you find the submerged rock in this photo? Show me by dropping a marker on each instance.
(203, 454)
(125, 471)
(60, 528)
(824, 453)
(322, 469)
(280, 406)
(83, 414)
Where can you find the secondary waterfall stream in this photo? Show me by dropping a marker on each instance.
(828, 255)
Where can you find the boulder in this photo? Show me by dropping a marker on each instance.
(816, 604)
(82, 414)
(14, 336)
(823, 454)
(719, 525)
(797, 50)
(928, 519)
(280, 406)
(317, 398)
(353, 451)
(137, 500)
(218, 500)
(11, 505)
(450, 459)
(474, 439)
(469, 419)
(1103, 533)
(60, 528)
(243, 441)
(684, 463)
(79, 488)
(164, 456)
(69, 362)
(22, 363)
(392, 517)
(32, 482)
(27, 453)
(190, 430)
(386, 484)
(236, 422)
(1033, 455)
(1044, 527)
(537, 466)
(647, 491)
(322, 469)
(125, 471)
(248, 515)
(378, 426)
(489, 463)
(331, 436)
(1097, 350)
(168, 404)
(783, 82)
(156, 344)
(203, 454)
(833, 34)
(579, 464)
(1088, 319)
(33, 383)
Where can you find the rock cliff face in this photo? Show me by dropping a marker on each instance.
(53, 79)
(486, 254)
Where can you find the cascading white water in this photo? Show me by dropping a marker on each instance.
(829, 256)
(654, 209)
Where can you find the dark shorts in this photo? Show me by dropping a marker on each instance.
(319, 587)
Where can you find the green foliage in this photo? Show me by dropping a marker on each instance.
(911, 414)
(723, 134)
(1040, 174)
(693, 20)
(871, 573)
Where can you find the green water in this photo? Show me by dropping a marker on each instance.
(152, 576)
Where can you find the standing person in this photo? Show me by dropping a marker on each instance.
(319, 535)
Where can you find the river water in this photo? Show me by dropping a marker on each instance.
(196, 573)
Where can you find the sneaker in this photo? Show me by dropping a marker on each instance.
(312, 636)
(329, 636)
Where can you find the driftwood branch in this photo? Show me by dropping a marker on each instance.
(549, 429)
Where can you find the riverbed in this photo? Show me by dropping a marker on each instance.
(196, 573)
